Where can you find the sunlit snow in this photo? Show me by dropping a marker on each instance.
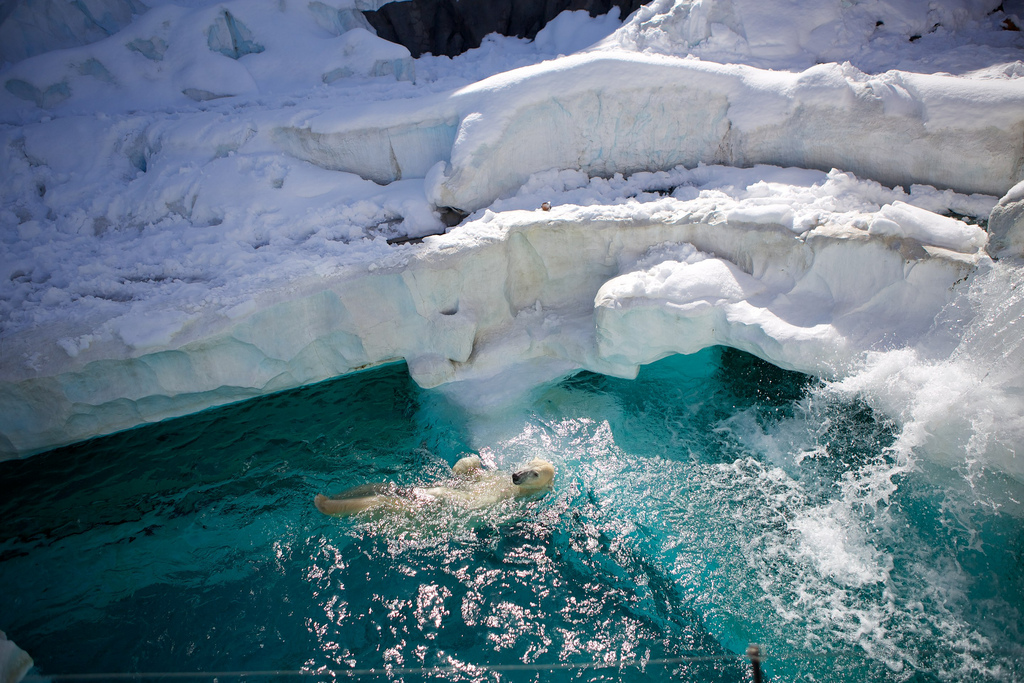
(221, 200)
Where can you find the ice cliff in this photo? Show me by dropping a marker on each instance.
(197, 209)
(794, 266)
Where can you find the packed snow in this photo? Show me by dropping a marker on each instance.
(220, 200)
(951, 36)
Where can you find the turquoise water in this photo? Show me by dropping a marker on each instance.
(713, 502)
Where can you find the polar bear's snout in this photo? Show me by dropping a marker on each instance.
(536, 475)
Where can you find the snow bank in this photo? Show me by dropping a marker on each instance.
(524, 294)
(874, 36)
(197, 208)
(33, 27)
(173, 56)
(607, 112)
(600, 111)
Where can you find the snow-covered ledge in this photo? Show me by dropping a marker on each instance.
(794, 273)
(621, 112)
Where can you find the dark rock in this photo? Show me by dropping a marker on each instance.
(450, 27)
(451, 217)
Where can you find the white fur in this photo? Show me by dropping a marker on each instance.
(472, 488)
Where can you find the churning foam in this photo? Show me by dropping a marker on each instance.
(965, 408)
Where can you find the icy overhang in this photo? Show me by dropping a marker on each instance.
(517, 297)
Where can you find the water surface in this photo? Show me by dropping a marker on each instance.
(713, 502)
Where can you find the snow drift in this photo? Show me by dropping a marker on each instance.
(197, 208)
(608, 113)
(791, 267)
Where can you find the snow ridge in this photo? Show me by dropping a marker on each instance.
(220, 200)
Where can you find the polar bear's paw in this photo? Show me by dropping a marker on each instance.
(468, 465)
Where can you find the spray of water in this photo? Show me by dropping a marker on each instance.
(876, 514)
(963, 409)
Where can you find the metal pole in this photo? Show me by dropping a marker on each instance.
(754, 652)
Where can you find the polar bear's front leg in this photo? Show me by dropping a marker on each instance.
(468, 465)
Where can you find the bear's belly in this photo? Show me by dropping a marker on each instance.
(473, 495)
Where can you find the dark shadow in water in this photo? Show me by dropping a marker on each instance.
(185, 463)
(756, 382)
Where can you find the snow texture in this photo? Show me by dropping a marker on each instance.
(221, 200)
(1006, 224)
(530, 293)
(953, 36)
(32, 27)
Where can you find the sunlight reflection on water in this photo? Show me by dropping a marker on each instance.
(713, 502)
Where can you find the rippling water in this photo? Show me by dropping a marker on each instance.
(713, 502)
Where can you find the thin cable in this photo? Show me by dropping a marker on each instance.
(468, 668)
(394, 671)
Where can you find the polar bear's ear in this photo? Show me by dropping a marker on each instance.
(467, 465)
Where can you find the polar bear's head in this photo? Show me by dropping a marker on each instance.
(537, 475)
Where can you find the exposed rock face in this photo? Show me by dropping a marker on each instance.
(450, 27)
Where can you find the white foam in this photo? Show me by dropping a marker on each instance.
(964, 406)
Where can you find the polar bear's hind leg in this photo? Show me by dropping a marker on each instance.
(345, 506)
(359, 498)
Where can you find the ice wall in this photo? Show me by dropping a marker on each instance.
(622, 112)
(520, 296)
(182, 223)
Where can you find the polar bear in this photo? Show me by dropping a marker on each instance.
(472, 488)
